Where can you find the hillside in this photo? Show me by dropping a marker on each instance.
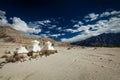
(111, 39)
(8, 34)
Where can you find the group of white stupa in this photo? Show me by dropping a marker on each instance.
(22, 53)
(36, 47)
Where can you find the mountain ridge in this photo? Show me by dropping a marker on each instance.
(110, 39)
(9, 34)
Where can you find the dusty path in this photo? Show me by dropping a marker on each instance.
(74, 64)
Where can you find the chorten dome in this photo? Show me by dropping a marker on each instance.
(35, 45)
(22, 50)
(48, 46)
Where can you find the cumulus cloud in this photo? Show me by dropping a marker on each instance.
(3, 19)
(54, 35)
(59, 28)
(2, 14)
(91, 17)
(44, 35)
(44, 22)
(34, 24)
(79, 29)
(79, 23)
(73, 21)
(3, 22)
(110, 25)
(106, 14)
(51, 35)
(20, 25)
(71, 30)
(52, 26)
(38, 24)
(62, 34)
(47, 32)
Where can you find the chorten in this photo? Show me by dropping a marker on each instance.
(35, 45)
(48, 46)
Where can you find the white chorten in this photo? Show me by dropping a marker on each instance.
(22, 50)
(48, 46)
(36, 46)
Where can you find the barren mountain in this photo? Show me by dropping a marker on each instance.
(110, 39)
(8, 34)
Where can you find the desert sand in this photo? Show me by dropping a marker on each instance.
(77, 63)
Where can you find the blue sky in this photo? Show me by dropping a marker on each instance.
(62, 20)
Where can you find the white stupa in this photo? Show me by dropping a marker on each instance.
(48, 46)
(22, 50)
(36, 46)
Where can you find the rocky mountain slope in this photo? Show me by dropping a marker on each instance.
(111, 39)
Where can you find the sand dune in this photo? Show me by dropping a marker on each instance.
(74, 64)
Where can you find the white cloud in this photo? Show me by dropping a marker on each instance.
(34, 24)
(91, 17)
(52, 26)
(20, 25)
(44, 22)
(76, 26)
(2, 14)
(47, 32)
(80, 28)
(3, 20)
(74, 39)
(74, 21)
(105, 14)
(38, 24)
(59, 28)
(47, 21)
(79, 23)
(70, 30)
(102, 26)
(62, 34)
(54, 35)
(44, 35)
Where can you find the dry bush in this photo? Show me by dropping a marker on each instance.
(10, 59)
(6, 56)
(33, 55)
(20, 57)
(48, 52)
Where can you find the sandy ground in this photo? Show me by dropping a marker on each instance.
(74, 64)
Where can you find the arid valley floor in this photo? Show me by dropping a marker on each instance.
(78, 63)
